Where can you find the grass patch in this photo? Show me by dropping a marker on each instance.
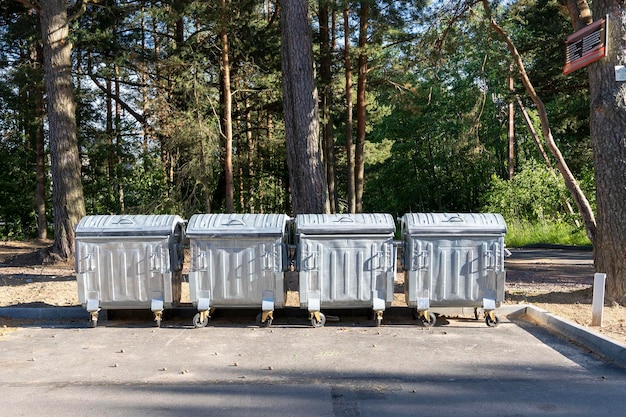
(523, 234)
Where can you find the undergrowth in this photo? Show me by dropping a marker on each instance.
(524, 234)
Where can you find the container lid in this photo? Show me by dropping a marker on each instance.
(128, 225)
(237, 224)
(361, 223)
(453, 223)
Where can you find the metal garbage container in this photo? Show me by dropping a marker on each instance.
(345, 261)
(129, 262)
(453, 260)
(237, 260)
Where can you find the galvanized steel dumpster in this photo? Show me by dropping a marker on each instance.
(345, 261)
(453, 260)
(129, 262)
(237, 260)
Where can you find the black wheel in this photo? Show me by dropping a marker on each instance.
(492, 322)
(378, 321)
(200, 323)
(320, 323)
(428, 323)
(94, 322)
(260, 323)
(158, 322)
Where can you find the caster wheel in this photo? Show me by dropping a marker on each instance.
(428, 323)
(200, 323)
(158, 322)
(319, 323)
(94, 322)
(379, 321)
(266, 323)
(492, 323)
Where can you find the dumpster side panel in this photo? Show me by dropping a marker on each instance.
(344, 271)
(234, 272)
(456, 271)
(126, 273)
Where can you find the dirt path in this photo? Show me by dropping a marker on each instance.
(560, 283)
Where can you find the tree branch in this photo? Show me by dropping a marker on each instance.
(29, 4)
(579, 12)
(79, 9)
(139, 117)
(570, 182)
(460, 12)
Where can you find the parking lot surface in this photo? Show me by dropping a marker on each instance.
(347, 368)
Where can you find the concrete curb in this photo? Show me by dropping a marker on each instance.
(595, 341)
(44, 313)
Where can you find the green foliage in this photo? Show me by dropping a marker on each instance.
(17, 179)
(147, 190)
(534, 196)
(539, 28)
(523, 233)
(148, 87)
(445, 147)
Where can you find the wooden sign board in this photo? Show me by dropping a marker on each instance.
(586, 46)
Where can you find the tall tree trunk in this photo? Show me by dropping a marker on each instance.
(349, 142)
(306, 174)
(143, 78)
(40, 154)
(119, 177)
(581, 201)
(533, 134)
(511, 131)
(361, 108)
(250, 159)
(110, 147)
(227, 110)
(326, 100)
(69, 204)
(608, 139)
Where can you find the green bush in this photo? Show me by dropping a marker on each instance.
(534, 195)
(534, 206)
(523, 234)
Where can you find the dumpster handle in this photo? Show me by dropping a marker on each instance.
(236, 222)
(125, 221)
(456, 219)
(345, 220)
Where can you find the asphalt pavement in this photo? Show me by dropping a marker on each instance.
(347, 368)
(553, 255)
(527, 366)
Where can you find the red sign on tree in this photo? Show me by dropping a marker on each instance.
(586, 46)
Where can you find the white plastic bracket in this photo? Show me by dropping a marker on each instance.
(156, 305)
(314, 301)
(378, 300)
(268, 300)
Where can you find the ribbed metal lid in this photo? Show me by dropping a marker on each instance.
(236, 224)
(453, 223)
(362, 223)
(127, 225)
